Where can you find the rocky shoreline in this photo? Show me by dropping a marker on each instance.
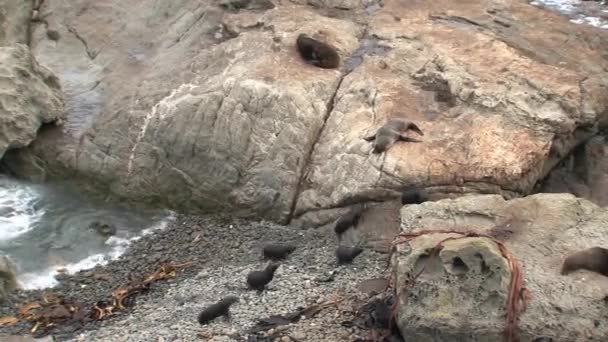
(222, 252)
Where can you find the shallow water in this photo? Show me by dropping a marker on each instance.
(46, 227)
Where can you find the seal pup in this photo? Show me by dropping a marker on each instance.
(350, 219)
(221, 308)
(277, 251)
(391, 132)
(346, 255)
(414, 195)
(593, 259)
(257, 280)
(317, 53)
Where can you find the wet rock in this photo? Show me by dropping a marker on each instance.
(30, 95)
(462, 290)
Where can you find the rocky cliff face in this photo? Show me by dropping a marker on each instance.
(202, 105)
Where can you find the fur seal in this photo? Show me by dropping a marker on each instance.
(593, 259)
(346, 255)
(277, 251)
(257, 280)
(350, 219)
(221, 308)
(391, 132)
(414, 195)
(317, 53)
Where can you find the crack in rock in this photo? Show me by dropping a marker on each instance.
(92, 54)
(304, 171)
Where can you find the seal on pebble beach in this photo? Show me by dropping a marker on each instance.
(277, 251)
(346, 255)
(221, 308)
(257, 280)
(350, 219)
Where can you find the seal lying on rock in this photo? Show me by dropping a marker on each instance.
(221, 308)
(277, 251)
(317, 53)
(257, 280)
(414, 195)
(593, 259)
(350, 219)
(391, 132)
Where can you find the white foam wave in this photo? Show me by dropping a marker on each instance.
(565, 6)
(593, 21)
(46, 278)
(17, 211)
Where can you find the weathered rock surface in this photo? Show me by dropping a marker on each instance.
(461, 295)
(183, 104)
(8, 276)
(30, 95)
(14, 21)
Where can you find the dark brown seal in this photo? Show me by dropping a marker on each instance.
(221, 308)
(414, 195)
(391, 132)
(258, 279)
(593, 259)
(346, 255)
(317, 53)
(350, 219)
(277, 251)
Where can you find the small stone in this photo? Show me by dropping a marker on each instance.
(300, 336)
(285, 339)
(230, 331)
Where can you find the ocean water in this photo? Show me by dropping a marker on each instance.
(578, 14)
(45, 228)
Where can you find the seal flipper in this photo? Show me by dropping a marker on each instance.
(369, 137)
(408, 139)
(415, 128)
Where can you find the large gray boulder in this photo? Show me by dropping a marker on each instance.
(183, 104)
(461, 295)
(30, 95)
